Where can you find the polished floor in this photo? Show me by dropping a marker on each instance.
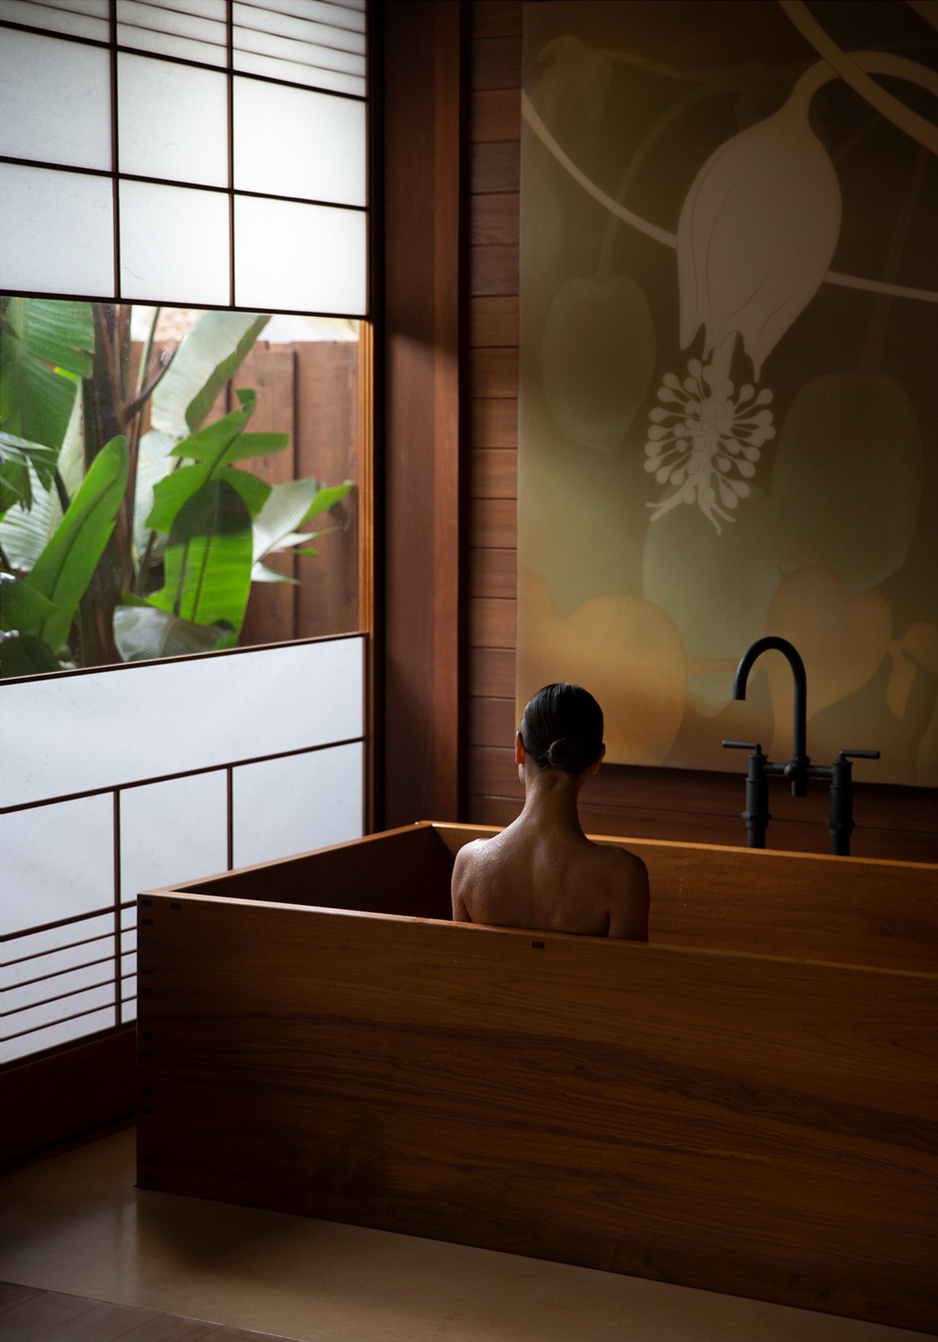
(75, 1225)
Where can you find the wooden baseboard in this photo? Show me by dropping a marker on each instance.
(67, 1093)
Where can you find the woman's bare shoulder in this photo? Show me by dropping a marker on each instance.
(627, 893)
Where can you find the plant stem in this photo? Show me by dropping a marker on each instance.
(61, 491)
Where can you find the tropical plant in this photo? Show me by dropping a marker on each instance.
(120, 541)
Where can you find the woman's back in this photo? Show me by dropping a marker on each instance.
(542, 871)
(552, 880)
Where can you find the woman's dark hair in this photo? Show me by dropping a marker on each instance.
(562, 728)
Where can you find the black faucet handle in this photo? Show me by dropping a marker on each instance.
(743, 745)
(858, 754)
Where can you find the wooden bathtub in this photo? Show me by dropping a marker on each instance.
(749, 1103)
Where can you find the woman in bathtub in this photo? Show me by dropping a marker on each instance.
(542, 871)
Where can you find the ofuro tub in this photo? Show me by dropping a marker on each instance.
(746, 1104)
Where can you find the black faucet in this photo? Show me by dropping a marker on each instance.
(799, 768)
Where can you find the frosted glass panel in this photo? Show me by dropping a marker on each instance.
(307, 42)
(294, 142)
(292, 805)
(270, 67)
(79, 18)
(86, 1024)
(200, 713)
(31, 1001)
(58, 948)
(173, 831)
(56, 232)
(195, 30)
(159, 103)
(55, 101)
(174, 244)
(58, 861)
(298, 258)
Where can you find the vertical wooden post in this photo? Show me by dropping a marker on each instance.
(423, 601)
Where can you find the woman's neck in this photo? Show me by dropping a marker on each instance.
(550, 797)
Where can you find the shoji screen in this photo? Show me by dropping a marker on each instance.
(193, 153)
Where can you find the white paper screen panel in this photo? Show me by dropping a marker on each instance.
(163, 145)
(297, 79)
(143, 722)
(318, 150)
(75, 18)
(174, 242)
(173, 831)
(331, 277)
(58, 861)
(56, 231)
(55, 104)
(291, 805)
(193, 31)
(311, 42)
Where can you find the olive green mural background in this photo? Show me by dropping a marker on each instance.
(729, 373)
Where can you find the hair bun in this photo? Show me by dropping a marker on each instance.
(562, 728)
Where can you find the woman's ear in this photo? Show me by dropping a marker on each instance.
(594, 768)
(519, 749)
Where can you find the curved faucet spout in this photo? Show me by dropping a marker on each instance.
(797, 767)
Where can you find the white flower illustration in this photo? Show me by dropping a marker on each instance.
(705, 441)
(757, 232)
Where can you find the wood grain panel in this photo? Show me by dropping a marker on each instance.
(494, 374)
(493, 473)
(496, 116)
(496, 18)
(346, 876)
(493, 320)
(487, 809)
(494, 221)
(328, 444)
(493, 423)
(27, 1314)
(492, 722)
(496, 62)
(493, 524)
(423, 281)
(102, 1323)
(493, 574)
(270, 370)
(599, 1112)
(495, 166)
(33, 1317)
(494, 270)
(492, 623)
(66, 1092)
(492, 672)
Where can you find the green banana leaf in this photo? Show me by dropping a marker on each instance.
(211, 450)
(207, 358)
(208, 558)
(25, 532)
(22, 607)
(326, 498)
(153, 464)
(289, 506)
(142, 632)
(16, 457)
(63, 570)
(284, 512)
(27, 656)
(45, 349)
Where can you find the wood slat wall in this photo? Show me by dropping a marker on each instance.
(309, 390)
(652, 803)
